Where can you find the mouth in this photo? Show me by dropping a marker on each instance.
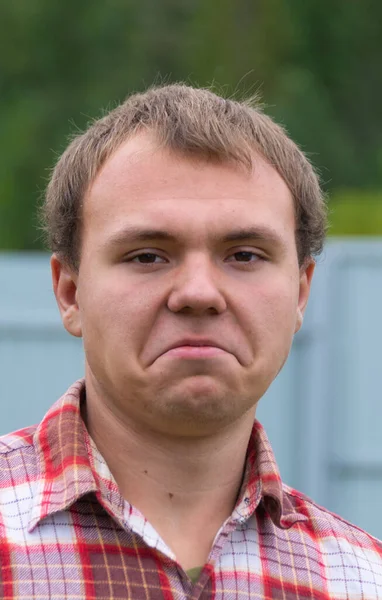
(198, 342)
(195, 352)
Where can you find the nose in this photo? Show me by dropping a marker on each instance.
(195, 288)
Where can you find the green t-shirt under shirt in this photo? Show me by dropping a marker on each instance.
(194, 573)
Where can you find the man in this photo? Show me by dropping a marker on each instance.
(184, 229)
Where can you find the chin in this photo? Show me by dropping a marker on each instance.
(201, 405)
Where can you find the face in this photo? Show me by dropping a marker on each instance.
(189, 289)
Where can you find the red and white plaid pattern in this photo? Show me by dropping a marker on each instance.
(66, 532)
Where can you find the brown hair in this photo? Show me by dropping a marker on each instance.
(194, 122)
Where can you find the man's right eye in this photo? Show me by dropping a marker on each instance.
(145, 258)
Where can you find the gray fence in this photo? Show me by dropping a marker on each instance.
(323, 413)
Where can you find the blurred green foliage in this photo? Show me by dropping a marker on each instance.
(317, 66)
(356, 212)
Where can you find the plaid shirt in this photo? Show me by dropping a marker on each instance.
(66, 532)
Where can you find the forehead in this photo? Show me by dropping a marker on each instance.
(144, 184)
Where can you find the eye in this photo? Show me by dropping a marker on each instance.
(145, 258)
(245, 256)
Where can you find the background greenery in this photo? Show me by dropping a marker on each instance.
(317, 65)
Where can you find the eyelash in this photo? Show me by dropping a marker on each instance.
(258, 257)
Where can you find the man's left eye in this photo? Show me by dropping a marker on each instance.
(246, 256)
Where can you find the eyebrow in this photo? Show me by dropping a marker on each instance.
(133, 233)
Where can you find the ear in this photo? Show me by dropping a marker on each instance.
(306, 274)
(65, 289)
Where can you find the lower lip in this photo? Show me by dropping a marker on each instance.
(195, 352)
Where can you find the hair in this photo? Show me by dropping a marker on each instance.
(196, 123)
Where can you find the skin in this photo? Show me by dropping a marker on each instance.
(173, 429)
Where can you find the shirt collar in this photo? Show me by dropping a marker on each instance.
(70, 466)
(68, 461)
(262, 488)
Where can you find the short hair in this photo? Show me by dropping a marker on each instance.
(196, 123)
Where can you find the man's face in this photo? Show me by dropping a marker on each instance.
(177, 252)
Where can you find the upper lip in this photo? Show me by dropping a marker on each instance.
(195, 342)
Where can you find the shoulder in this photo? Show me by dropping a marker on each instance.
(19, 473)
(350, 557)
(17, 440)
(324, 522)
(18, 460)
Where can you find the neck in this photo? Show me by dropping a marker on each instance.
(185, 487)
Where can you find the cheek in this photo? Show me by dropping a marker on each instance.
(273, 314)
(111, 312)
